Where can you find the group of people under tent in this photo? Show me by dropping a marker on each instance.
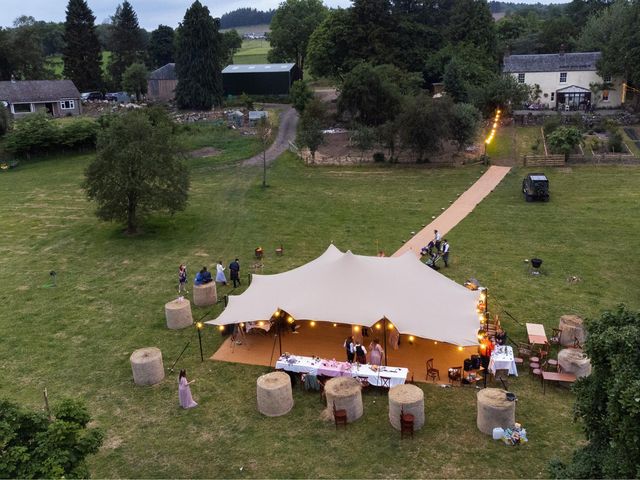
(356, 351)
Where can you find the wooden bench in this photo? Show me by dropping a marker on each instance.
(556, 377)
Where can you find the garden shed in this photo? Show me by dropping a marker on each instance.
(261, 79)
(162, 83)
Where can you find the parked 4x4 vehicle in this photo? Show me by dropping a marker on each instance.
(535, 186)
(121, 97)
(90, 96)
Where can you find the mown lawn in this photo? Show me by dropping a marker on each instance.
(252, 51)
(76, 338)
(511, 143)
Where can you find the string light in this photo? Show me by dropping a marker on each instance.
(378, 326)
(199, 325)
(335, 324)
(459, 349)
(391, 326)
(290, 319)
(356, 328)
(277, 314)
(313, 324)
(411, 338)
(221, 328)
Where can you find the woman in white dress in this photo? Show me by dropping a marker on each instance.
(220, 273)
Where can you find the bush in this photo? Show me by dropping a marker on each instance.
(5, 120)
(615, 141)
(40, 134)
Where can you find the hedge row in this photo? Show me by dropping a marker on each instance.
(40, 134)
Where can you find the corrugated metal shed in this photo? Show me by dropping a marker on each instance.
(552, 62)
(260, 79)
(166, 72)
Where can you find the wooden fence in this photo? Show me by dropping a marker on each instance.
(543, 160)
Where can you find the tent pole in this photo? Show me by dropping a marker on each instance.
(279, 325)
(384, 325)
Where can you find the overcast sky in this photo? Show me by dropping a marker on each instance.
(151, 13)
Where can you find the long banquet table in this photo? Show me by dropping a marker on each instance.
(376, 376)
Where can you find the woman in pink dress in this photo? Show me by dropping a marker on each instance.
(376, 353)
(184, 391)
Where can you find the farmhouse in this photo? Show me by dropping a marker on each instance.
(565, 80)
(58, 98)
(162, 83)
(262, 79)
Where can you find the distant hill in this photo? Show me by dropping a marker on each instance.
(242, 17)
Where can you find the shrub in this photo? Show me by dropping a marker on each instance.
(5, 120)
(39, 134)
(615, 141)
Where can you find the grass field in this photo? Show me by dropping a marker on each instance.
(252, 51)
(511, 143)
(76, 338)
(55, 63)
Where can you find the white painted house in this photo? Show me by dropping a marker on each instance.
(564, 79)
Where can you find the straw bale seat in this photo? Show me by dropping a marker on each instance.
(346, 394)
(494, 410)
(205, 295)
(408, 399)
(178, 314)
(574, 361)
(572, 327)
(147, 366)
(275, 397)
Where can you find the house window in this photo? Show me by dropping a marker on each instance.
(607, 78)
(553, 96)
(521, 78)
(21, 108)
(563, 77)
(67, 104)
(605, 95)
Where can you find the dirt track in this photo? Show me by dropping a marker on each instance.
(286, 134)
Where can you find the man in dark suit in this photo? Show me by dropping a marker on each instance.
(234, 268)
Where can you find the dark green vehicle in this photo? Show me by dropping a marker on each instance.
(535, 186)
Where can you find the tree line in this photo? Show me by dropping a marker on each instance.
(242, 17)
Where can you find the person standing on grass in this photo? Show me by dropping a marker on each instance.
(220, 273)
(445, 252)
(234, 268)
(182, 279)
(437, 240)
(184, 391)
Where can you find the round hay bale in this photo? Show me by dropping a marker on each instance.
(205, 295)
(274, 394)
(346, 394)
(147, 366)
(572, 327)
(178, 314)
(572, 360)
(494, 410)
(407, 398)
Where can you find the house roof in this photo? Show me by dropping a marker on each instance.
(167, 72)
(37, 90)
(551, 62)
(259, 68)
(361, 290)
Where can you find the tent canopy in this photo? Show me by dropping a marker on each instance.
(361, 290)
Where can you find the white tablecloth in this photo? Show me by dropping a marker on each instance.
(266, 326)
(502, 359)
(376, 377)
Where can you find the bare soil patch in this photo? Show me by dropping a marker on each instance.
(204, 152)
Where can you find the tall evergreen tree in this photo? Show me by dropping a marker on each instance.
(161, 46)
(81, 54)
(127, 44)
(199, 55)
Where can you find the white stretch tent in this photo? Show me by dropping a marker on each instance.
(360, 290)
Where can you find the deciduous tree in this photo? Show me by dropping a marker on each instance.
(81, 55)
(464, 123)
(300, 94)
(291, 26)
(161, 49)
(134, 79)
(564, 140)
(608, 400)
(34, 446)
(138, 169)
(199, 54)
(231, 43)
(311, 126)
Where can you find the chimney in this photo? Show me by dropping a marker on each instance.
(562, 48)
(13, 79)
